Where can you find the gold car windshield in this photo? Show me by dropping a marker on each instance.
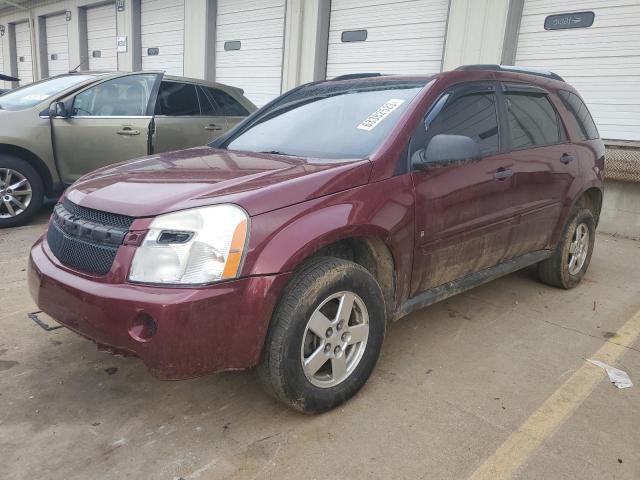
(35, 93)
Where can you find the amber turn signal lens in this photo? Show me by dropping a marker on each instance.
(235, 251)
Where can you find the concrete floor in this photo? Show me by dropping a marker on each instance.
(454, 382)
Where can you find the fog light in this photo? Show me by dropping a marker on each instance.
(143, 327)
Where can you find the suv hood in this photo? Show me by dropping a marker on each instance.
(205, 176)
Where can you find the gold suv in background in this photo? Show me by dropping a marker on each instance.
(54, 131)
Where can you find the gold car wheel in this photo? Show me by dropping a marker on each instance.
(15, 193)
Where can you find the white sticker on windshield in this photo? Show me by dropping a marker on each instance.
(383, 112)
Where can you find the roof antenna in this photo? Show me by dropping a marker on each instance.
(75, 70)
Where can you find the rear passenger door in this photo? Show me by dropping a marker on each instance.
(184, 118)
(227, 105)
(544, 164)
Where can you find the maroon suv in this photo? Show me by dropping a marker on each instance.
(338, 207)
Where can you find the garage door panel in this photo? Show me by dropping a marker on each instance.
(253, 59)
(602, 61)
(546, 7)
(257, 66)
(23, 53)
(253, 6)
(101, 36)
(162, 28)
(57, 44)
(389, 14)
(262, 15)
(402, 36)
(269, 29)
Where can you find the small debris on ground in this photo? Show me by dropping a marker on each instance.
(111, 370)
(619, 378)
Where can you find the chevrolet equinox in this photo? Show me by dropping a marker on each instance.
(291, 241)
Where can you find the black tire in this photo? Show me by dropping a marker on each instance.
(555, 270)
(281, 371)
(37, 191)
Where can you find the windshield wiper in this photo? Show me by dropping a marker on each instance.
(276, 152)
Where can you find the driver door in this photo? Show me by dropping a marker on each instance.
(464, 212)
(108, 123)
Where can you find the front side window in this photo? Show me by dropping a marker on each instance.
(533, 122)
(33, 94)
(330, 120)
(581, 114)
(121, 97)
(474, 116)
(177, 100)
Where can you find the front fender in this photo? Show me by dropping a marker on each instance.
(282, 239)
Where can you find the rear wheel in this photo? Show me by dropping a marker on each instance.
(325, 336)
(21, 192)
(570, 261)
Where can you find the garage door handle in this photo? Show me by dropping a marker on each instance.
(128, 132)
(212, 127)
(567, 158)
(503, 174)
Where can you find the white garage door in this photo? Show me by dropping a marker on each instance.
(4, 70)
(402, 37)
(162, 29)
(602, 61)
(57, 45)
(249, 42)
(101, 37)
(23, 53)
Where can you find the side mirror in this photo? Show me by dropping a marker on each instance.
(446, 150)
(58, 109)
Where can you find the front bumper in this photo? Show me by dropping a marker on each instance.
(199, 330)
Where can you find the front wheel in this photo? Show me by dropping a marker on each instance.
(325, 336)
(570, 261)
(21, 192)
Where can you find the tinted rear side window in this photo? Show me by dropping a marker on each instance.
(227, 105)
(177, 99)
(533, 122)
(473, 116)
(580, 113)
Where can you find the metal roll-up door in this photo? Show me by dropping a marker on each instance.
(602, 61)
(57, 44)
(162, 31)
(102, 37)
(249, 46)
(23, 53)
(401, 37)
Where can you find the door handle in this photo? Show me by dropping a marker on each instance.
(213, 127)
(127, 131)
(566, 159)
(503, 173)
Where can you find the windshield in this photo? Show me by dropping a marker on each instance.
(35, 93)
(339, 119)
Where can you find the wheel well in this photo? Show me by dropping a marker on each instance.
(32, 160)
(592, 200)
(374, 256)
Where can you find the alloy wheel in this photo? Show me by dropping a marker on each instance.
(15, 193)
(578, 249)
(334, 339)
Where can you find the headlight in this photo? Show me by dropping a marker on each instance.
(201, 245)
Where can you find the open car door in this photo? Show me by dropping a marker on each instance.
(105, 123)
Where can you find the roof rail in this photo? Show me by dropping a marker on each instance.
(351, 76)
(512, 68)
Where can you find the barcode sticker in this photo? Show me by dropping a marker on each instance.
(383, 112)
